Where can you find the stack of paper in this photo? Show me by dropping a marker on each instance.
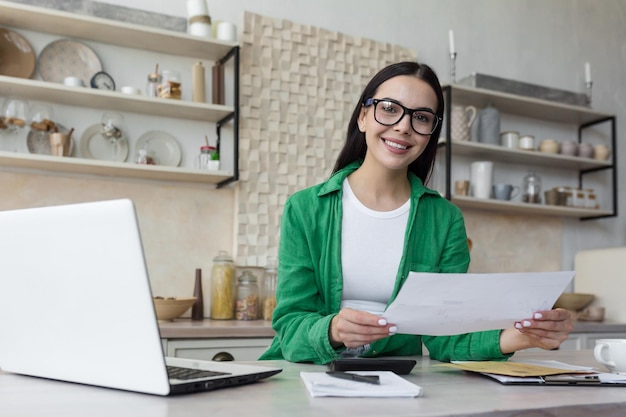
(319, 384)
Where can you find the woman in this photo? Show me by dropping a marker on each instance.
(348, 244)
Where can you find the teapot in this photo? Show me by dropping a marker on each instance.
(486, 126)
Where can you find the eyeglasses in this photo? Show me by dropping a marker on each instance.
(389, 112)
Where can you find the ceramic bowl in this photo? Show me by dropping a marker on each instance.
(549, 146)
(171, 308)
(569, 148)
(574, 301)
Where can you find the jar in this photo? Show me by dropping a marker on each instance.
(152, 86)
(592, 202)
(531, 188)
(170, 85)
(207, 154)
(247, 306)
(268, 293)
(223, 287)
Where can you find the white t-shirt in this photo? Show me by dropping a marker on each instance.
(371, 246)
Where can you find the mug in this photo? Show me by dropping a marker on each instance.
(527, 142)
(226, 31)
(60, 144)
(611, 353)
(481, 173)
(505, 191)
(461, 121)
(461, 187)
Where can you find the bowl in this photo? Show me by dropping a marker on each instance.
(574, 301)
(171, 308)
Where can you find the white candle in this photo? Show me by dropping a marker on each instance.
(451, 39)
(587, 72)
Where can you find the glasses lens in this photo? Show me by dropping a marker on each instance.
(389, 113)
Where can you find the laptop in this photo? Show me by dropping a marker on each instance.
(76, 304)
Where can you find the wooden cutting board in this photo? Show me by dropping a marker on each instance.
(603, 272)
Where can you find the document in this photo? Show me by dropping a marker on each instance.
(447, 304)
(320, 384)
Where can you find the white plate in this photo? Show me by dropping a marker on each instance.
(162, 146)
(95, 146)
(68, 58)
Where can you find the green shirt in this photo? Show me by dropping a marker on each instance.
(310, 275)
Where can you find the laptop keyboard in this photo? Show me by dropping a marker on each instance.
(176, 372)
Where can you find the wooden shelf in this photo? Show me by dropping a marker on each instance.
(525, 106)
(541, 159)
(526, 208)
(110, 31)
(101, 99)
(70, 165)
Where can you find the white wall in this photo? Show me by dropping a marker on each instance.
(543, 42)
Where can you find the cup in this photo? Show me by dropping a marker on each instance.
(549, 146)
(601, 152)
(73, 82)
(585, 150)
(461, 187)
(59, 144)
(226, 31)
(552, 197)
(509, 139)
(481, 174)
(461, 120)
(505, 191)
(611, 353)
(527, 142)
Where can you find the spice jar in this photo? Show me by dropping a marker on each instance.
(170, 85)
(223, 287)
(268, 293)
(152, 86)
(205, 157)
(247, 307)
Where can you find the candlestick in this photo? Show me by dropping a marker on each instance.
(453, 67)
(587, 73)
(588, 86)
(451, 41)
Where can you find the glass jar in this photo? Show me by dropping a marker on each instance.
(223, 287)
(531, 188)
(205, 157)
(152, 86)
(247, 307)
(268, 293)
(170, 85)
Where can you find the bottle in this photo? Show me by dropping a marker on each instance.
(204, 157)
(197, 83)
(223, 287)
(247, 306)
(154, 80)
(268, 294)
(531, 188)
(197, 310)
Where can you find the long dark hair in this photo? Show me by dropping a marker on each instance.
(355, 147)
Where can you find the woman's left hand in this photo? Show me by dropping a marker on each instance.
(546, 330)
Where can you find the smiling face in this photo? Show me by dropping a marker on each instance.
(395, 147)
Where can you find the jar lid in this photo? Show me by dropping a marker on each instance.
(222, 256)
(247, 277)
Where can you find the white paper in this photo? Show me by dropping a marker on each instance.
(319, 384)
(447, 304)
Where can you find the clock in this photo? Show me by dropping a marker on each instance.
(102, 81)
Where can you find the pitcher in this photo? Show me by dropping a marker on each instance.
(462, 118)
(486, 128)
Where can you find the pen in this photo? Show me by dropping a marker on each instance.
(369, 379)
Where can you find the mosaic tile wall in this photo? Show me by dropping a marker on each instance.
(299, 84)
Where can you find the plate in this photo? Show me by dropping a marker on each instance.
(17, 58)
(163, 147)
(68, 58)
(38, 141)
(95, 146)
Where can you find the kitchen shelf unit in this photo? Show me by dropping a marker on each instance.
(136, 37)
(506, 103)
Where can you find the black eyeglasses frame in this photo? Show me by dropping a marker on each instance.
(374, 101)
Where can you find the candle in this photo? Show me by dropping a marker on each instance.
(587, 72)
(451, 39)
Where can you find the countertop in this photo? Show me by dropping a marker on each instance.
(447, 392)
(213, 329)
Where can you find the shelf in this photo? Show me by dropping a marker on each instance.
(525, 106)
(527, 208)
(502, 154)
(110, 31)
(70, 165)
(101, 99)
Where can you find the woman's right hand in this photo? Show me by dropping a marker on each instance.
(354, 328)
